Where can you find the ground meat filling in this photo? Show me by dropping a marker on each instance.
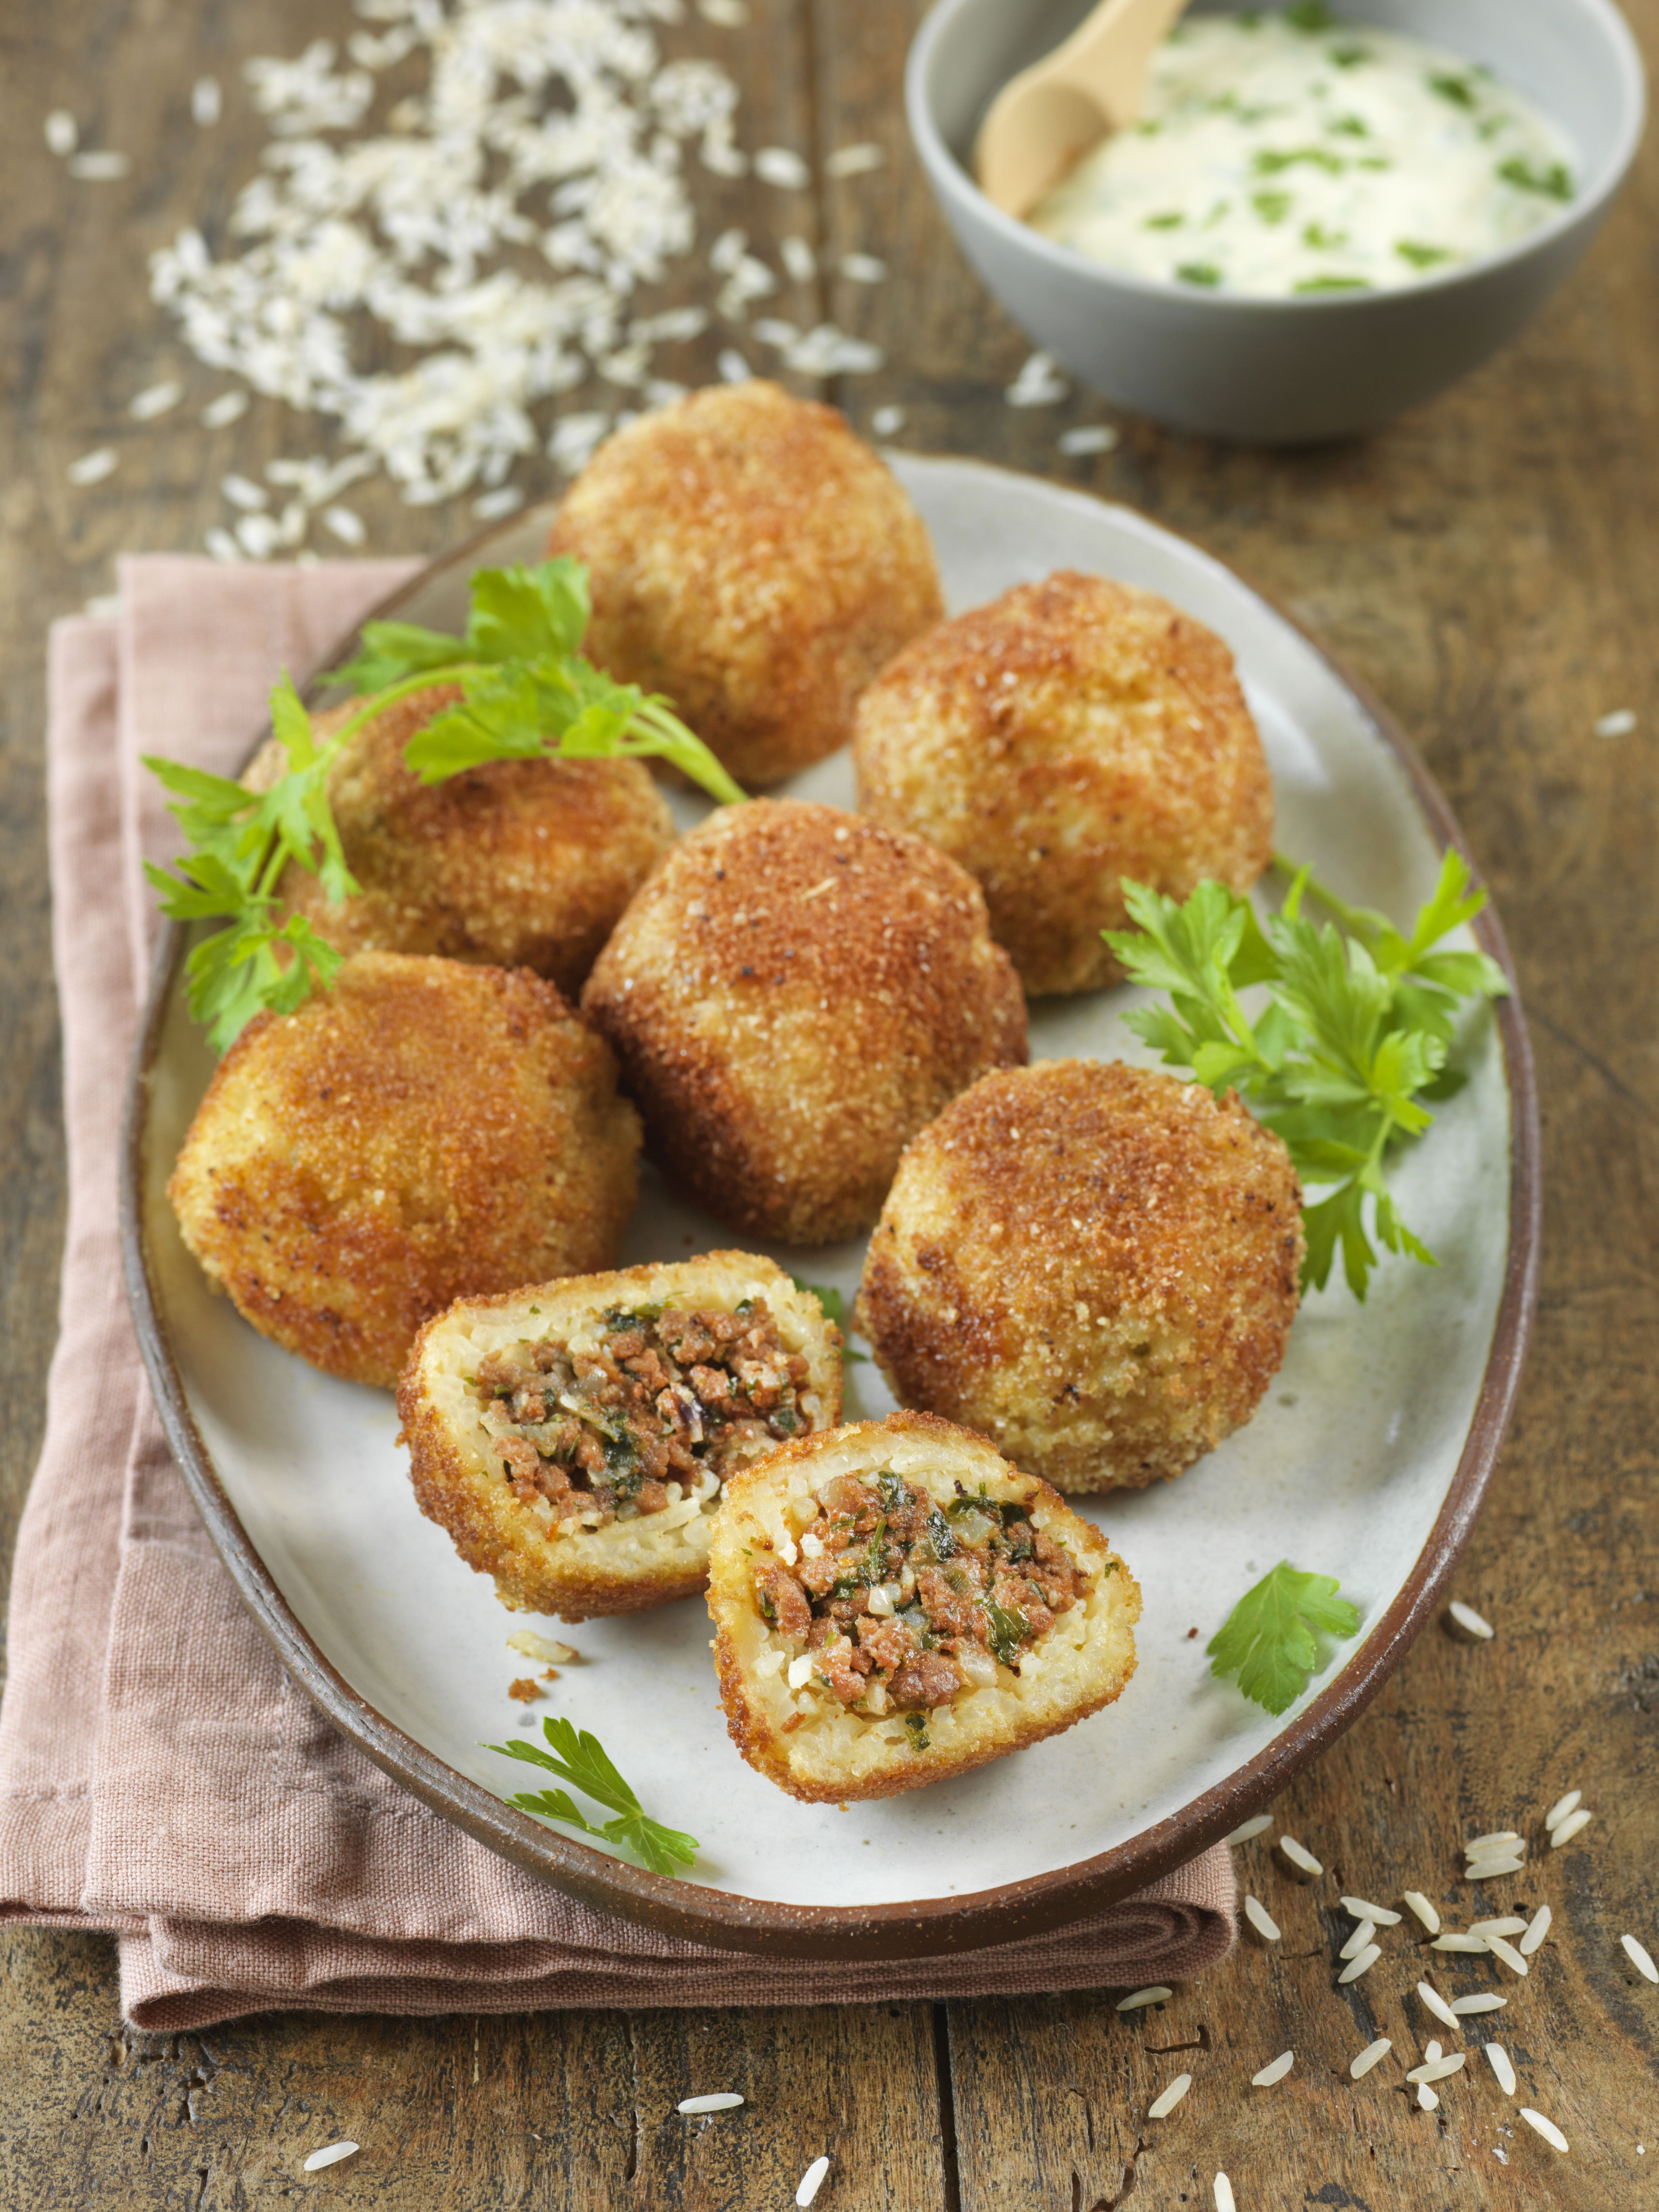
(902, 1603)
(667, 1402)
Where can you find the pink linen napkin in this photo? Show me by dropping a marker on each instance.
(161, 1776)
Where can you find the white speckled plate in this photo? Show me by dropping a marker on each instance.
(1366, 1462)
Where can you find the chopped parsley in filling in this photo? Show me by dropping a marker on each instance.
(665, 1403)
(902, 1603)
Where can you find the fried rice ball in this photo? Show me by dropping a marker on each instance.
(421, 1131)
(1071, 733)
(792, 996)
(1095, 1265)
(751, 558)
(521, 864)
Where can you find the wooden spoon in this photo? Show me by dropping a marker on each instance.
(1048, 116)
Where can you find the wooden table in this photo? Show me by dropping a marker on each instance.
(1490, 565)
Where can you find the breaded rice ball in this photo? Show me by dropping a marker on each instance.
(791, 997)
(1071, 733)
(894, 1604)
(751, 558)
(574, 1438)
(421, 1131)
(521, 864)
(1096, 1265)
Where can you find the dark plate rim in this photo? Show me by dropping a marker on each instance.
(924, 1927)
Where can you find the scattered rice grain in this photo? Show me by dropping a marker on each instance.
(92, 468)
(154, 399)
(1562, 1806)
(242, 492)
(1039, 384)
(733, 367)
(1424, 1912)
(1379, 1915)
(777, 165)
(222, 546)
(798, 259)
(547, 1649)
(1438, 2068)
(104, 168)
(730, 14)
(62, 132)
(1488, 1869)
(1363, 1965)
(1490, 1842)
(207, 102)
(1089, 438)
(864, 268)
(720, 2100)
(1356, 1943)
(1498, 2059)
(1224, 2199)
(1369, 2056)
(1548, 2129)
(331, 2154)
(258, 535)
(1471, 1622)
(1275, 2072)
(887, 422)
(1300, 1855)
(1507, 1952)
(811, 2182)
(1537, 1929)
(853, 160)
(1483, 2001)
(1155, 1994)
(1454, 1940)
(1640, 1957)
(1512, 1924)
(1437, 2004)
(347, 527)
(1427, 2098)
(1165, 2102)
(491, 506)
(1247, 1829)
(105, 606)
(1619, 724)
(1574, 1825)
(1261, 1920)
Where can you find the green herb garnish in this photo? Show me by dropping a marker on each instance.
(1322, 241)
(581, 1760)
(1164, 221)
(1422, 257)
(1271, 207)
(1556, 180)
(1268, 1638)
(916, 1726)
(527, 694)
(1310, 15)
(1457, 89)
(1349, 57)
(1332, 284)
(1353, 1038)
(1269, 161)
(1199, 272)
(1009, 1629)
(1351, 126)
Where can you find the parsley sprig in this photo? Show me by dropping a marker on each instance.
(1352, 1042)
(581, 1760)
(1269, 1639)
(527, 694)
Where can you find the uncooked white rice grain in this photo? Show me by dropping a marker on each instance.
(207, 102)
(491, 506)
(104, 169)
(222, 546)
(1512, 1924)
(1640, 1957)
(1491, 1841)
(1537, 1929)
(242, 492)
(1369, 2056)
(331, 2154)
(1224, 2199)
(1427, 2098)
(1275, 2072)
(1357, 1943)
(1039, 384)
(1437, 2069)
(730, 14)
(720, 2100)
(777, 165)
(154, 399)
(1489, 1869)
(1246, 1829)
(1562, 1806)
(1379, 1915)
(1548, 2129)
(887, 422)
(104, 606)
(798, 259)
(229, 407)
(1300, 1856)
(811, 2182)
(62, 132)
(853, 160)
(92, 468)
(1261, 1920)
(258, 535)
(1507, 1952)
(733, 366)
(864, 268)
(1619, 724)
(1437, 2004)
(1483, 2001)
(1166, 2100)
(1424, 1912)
(1453, 1940)
(1471, 1622)
(1498, 2059)
(346, 526)
(1432, 2051)
(1573, 1824)
(1090, 438)
(1363, 1965)
(1155, 1994)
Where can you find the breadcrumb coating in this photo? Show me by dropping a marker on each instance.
(794, 995)
(1096, 1265)
(518, 864)
(423, 1131)
(752, 559)
(1071, 733)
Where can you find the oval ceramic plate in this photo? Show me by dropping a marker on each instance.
(1366, 1462)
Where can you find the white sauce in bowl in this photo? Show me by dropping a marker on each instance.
(1293, 153)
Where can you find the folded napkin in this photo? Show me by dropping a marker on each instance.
(160, 1777)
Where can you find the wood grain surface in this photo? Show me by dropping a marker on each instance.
(1490, 565)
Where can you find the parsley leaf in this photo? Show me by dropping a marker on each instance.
(581, 1760)
(835, 1309)
(1268, 1638)
(1353, 1040)
(527, 694)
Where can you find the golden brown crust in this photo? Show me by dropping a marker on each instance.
(628, 1567)
(520, 864)
(804, 1742)
(1071, 733)
(1096, 1265)
(421, 1131)
(792, 996)
(751, 558)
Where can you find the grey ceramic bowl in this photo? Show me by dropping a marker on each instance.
(1280, 371)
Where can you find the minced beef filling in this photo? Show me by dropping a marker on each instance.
(664, 1395)
(891, 1591)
